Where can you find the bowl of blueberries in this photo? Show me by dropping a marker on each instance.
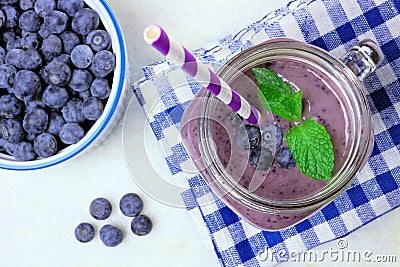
(63, 79)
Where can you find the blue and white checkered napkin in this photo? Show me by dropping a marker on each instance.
(334, 25)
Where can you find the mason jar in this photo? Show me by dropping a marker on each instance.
(260, 182)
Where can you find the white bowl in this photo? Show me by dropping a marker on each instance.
(113, 110)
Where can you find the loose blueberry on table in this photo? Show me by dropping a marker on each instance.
(100, 208)
(131, 205)
(56, 71)
(141, 225)
(84, 232)
(111, 235)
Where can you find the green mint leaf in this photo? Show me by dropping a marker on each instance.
(312, 149)
(277, 96)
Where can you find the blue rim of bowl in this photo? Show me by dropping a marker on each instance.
(31, 165)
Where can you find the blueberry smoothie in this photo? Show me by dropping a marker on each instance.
(256, 157)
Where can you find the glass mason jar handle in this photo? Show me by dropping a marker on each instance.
(363, 58)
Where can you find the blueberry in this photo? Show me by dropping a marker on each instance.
(82, 56)
(44, 32)
(30, 137)
(56, 122)
(100, 208)
(100, 88)
(13, 43)
(7, 75)
(2, 142)
(2, 52)
(285, 158)
(111, 236)
(70, 40)
(7, 147)
(8, 33)
(92, 108)
(55, 97)
(247, 137)
(70, 7)
(23, 151)
(14, 57)
(55, 22)
(71, 133)
(30, 105)
(131, 205)
(35, 121)
(43, 7)
(11, 15)
(31, 40)
(141, 225)
(56, 73)
(45, 145)
(64, 58)
(85, 20)
(2, 19)
(10, 106)
(27, 85)
(84, 232)
(99, 40)
(12, 131)
(84, 95)
(73, 111)
(29, 21)
(8, 2)
(51, 47)
(261, 158)
(32, 59)
(2, 121)
(272, 136)
(103, 63)
(80, 80)
(24, 59)
(26, 4)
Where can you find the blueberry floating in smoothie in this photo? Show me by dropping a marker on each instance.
(262, 158)
(285, 158)
(272, 136)
(247, 137)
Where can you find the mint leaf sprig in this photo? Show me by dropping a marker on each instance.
(312, 149)
(277, 96)
(308, 141)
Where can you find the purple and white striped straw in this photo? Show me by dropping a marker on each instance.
(177, 54)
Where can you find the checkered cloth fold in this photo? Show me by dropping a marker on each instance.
(336, 26)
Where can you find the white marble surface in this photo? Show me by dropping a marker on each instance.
(40, 209)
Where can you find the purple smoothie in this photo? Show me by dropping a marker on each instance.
(277, 183)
